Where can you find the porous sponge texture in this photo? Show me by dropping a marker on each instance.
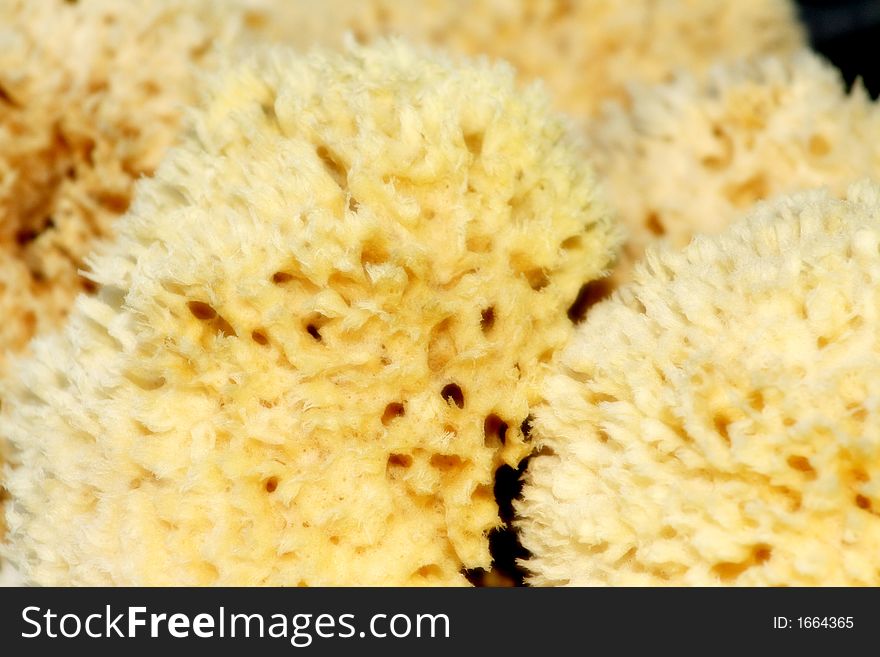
(701, 152)
(716, 421)
(318, 333)
(91, 96)
(587, 51)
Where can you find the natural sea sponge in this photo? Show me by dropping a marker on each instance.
(317, 335)
(690, 156)
(587, 51)
(91, 96)
(91, 92)
(718, 420)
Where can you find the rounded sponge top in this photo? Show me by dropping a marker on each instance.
(702, 152)
(587, 51)
(716, 421)
(318, 333)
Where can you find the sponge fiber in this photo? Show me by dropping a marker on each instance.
(317, 336)
(91, 97)
(586, 51)
(718, 420)
(700, 153)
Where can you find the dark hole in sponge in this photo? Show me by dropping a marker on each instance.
(116, 203)
(453, 393)
(89, 286)
(259, 337)
(504, 542)
(588, 296)
(487, 319)
(6, 98)
(224, 327)
(446, 462)
(281, 277)
(474, 143)
(206, 313)
(537, 279)
(430, 571)
(392, 411)
(526, 428)
(201, 310)
(313, 331)
(25, 236)
(271, 484)
(573, 242)
(494, 430)
(654, 225)
(722, 424)
(801, 463)
(762, 553)
(332, 164)
(400, 460)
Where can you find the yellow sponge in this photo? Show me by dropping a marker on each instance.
(318, 333)
(91, 95)
(701, 152)
(718, 420)
(587, 51)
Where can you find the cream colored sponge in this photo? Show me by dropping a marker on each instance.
(700, 153)
(91, 96)
(718, 420)
(318, 333)
(587, 51)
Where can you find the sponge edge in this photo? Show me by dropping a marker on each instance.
(77, 131)
(702, 152)
(318, 333)
(587, 51)
(716, 421)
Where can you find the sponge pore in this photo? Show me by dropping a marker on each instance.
(716, 421)
(318, 333)
(91, 96)
(701, 153)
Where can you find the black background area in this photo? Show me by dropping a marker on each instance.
(848, 33)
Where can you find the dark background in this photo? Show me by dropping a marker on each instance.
(848, 33)
(531, 622)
